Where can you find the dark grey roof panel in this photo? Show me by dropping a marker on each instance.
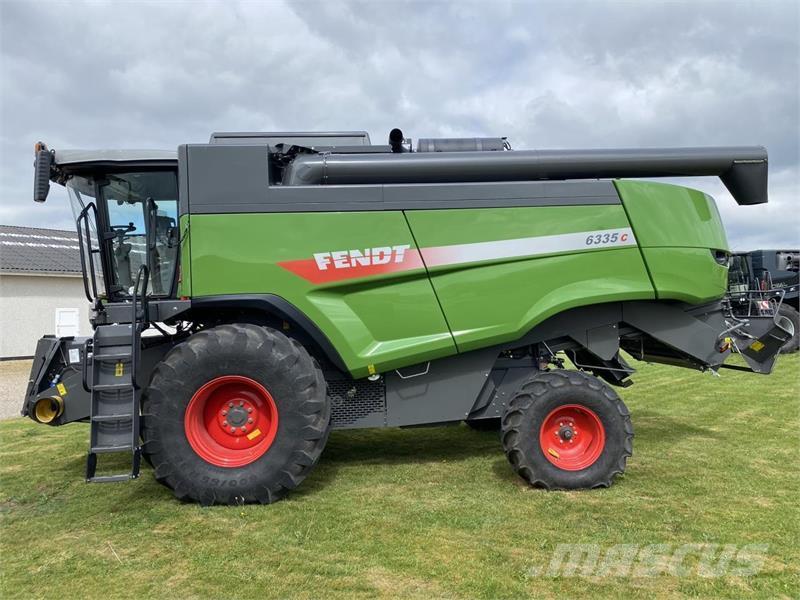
(300, 138)
(72, 157)
(36, 250)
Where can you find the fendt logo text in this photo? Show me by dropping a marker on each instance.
(345, 259)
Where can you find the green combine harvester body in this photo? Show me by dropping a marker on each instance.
(290, 283)
(393, 288)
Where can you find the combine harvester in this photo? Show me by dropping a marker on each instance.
(765, 282)
(291, 283)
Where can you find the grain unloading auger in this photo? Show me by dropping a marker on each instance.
(263, 288)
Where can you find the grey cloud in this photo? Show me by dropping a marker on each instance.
(551, 74)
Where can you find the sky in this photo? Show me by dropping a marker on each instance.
(545, 74)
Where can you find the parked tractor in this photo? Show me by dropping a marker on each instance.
(253, 293)
(765, 282)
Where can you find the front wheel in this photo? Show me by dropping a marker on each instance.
(235, 414)
(567, 430)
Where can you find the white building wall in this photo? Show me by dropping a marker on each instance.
(28, 306)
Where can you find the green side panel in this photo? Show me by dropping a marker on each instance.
(687, 274)
(461, 226)
(677, 228)
(388, 320)
(670, 215)
(496, 301)
(185, 281)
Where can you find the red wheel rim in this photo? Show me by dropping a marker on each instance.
(231, 421)
(572, 437)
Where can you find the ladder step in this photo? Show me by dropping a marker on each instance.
(112, 357)
(107, 449)
(110, 478)
(114, 417)
(110, 387)
(105, 418)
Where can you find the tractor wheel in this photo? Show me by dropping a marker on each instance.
(490, 424)
(567, 430)
(235, 414)
(793, 344)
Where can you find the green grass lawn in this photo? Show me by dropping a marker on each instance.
(429, 513)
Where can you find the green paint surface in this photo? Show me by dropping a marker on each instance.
(185, 279)
(387, 320)
(672, 216)
(686, 274)
(497, 301)
(677, 228)
(397, 319)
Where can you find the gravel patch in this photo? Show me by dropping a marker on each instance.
(13, 382)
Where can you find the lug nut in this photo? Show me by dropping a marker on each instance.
(224, 423)
(243, 428)
(249, 409)
(230, 404)
(224, 412)
(249, 420)
(233, 429)
(241, 402)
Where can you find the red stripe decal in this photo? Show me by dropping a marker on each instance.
(340, 266)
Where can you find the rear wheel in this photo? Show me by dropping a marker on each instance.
(793, 344)
(235, 414)
(567, 430)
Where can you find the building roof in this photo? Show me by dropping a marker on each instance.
(37, 250)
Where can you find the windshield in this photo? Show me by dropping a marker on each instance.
(139, 204)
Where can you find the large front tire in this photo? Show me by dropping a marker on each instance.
(235, 414)
(567, 430)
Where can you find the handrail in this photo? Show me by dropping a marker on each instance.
(83, 222)
(134, 316)
(85, 365)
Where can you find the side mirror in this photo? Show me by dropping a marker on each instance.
(41, 172)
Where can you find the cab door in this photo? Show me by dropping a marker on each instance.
(140, 212)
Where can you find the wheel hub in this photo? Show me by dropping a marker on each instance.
(231, 421)
(566, 433)
(237, 417)
(572, 437)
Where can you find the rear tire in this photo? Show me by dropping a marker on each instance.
(793, 344)
(281, 413)
(567, 430)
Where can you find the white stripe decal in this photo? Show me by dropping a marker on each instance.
(530, 246)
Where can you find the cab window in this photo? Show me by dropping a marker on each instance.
(142, 212)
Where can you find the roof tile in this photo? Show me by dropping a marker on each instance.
(38, 250)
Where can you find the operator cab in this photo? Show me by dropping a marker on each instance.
(125, 205)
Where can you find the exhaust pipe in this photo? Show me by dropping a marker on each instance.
(396, 139)
(47, 410)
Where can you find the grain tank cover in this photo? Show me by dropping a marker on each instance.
(496, 144)
(307, 139)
